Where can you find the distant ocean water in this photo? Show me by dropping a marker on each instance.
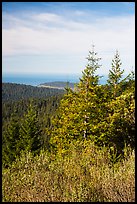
(35, 80)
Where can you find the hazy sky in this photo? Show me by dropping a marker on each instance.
(55, 37)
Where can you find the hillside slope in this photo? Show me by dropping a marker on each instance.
(58, 84)
(14, 92)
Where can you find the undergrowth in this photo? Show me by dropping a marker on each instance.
(84, 173)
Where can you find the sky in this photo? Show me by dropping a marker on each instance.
(56, 37)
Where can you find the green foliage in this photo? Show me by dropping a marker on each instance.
(23, 135)
(30, 131)
(117, 126)
(100, 113)
(115, 74)
(89, 78)
(87, 139)
(84, 174)
(22, 91)
(10, 142)
(78, 112)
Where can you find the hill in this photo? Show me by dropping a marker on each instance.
(58, 85)
(14, 92)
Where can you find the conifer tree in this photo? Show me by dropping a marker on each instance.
(117, 128)
(91, 112)
(10, 142)
(78, 112)
(89, 76)
(88, 89)
(115, 74)
(30, 131)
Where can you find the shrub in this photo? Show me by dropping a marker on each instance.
(84, 173)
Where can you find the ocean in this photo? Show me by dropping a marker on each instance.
(38, 79)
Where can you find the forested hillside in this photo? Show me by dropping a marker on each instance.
(58, 84)
(12, 91)
(74, 146)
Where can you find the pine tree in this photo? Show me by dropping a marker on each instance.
(30, 131)
(115, 74)
(89, 76)
(10, 142)
(91, 112)
(117, 128)
(78, 112)
(88, 89)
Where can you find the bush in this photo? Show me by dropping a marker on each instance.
(84, 173)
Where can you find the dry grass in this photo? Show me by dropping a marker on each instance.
(84, 174)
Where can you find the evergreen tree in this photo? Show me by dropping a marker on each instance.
(89, 77)
(120, 130)
(30, 131)
(121, 121)
(115, 74)
(88, 90)
(90, 111)
(78, 112)
(10, 142)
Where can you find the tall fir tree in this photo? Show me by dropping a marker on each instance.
(30, 132)
(117, 129)
(10, 142)
(89, 77)
(115, 74)
(78, 112)
(88, 89)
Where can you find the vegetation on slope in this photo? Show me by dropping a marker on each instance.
(58, 84)
(85, 174)
(82, 151)
(14, 92)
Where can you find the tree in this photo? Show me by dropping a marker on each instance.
(115, 74)
(88, 88)
(89, 78)
(10, 142)
(121, 121)
(115, 80)
(121, 129)
(93, 112)
(30, 131)
(78, 112)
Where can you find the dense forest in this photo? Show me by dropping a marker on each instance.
(70, 145)
(13, 91)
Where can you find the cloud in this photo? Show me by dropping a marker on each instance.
(54, 34)
(47, 17)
